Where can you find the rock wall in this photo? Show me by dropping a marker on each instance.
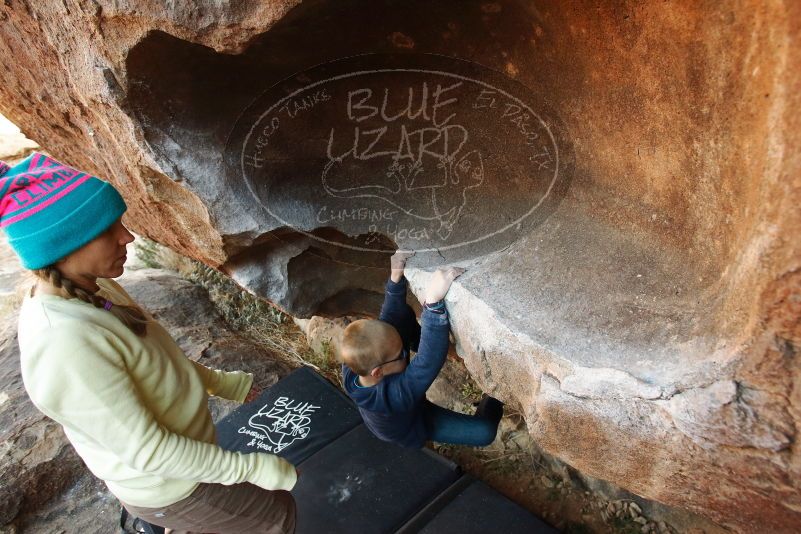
(629, 228)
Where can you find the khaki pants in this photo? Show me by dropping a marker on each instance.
(220, 509)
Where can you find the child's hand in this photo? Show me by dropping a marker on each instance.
(398, 263)
(440, 283)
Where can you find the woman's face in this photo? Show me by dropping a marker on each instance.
(103, 257)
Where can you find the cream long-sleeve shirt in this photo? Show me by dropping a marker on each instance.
(135, 408)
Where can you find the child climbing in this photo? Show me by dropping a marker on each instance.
(389, 388)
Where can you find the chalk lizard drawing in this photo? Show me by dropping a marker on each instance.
(284, 422)
(442, 201)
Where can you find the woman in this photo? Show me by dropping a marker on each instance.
(130, 401)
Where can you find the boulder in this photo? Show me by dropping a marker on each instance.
(37, 462)
(619, 179)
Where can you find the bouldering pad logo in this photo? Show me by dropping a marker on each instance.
(279, 424)
(434, 153)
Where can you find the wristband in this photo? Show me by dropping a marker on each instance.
(436, 307)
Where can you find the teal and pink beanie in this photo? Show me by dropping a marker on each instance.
(49, 210)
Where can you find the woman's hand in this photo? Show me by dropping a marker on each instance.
(255, 391)
(398, 263)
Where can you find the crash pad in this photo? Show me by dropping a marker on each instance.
(294, 418)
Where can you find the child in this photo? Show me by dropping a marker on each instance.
(389, 390)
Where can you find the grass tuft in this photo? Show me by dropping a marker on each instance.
(470, 391)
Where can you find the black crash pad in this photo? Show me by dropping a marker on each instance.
(471, 507)
(352, 482)
(361, 484)
(294, 418)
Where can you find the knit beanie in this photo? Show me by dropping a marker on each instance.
(48, 209)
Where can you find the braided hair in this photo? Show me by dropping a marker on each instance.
(131, 316)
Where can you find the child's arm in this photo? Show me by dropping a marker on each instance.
(411, 385)
(397, 264)
(395, 311)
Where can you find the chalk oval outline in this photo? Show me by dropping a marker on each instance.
(258, 121)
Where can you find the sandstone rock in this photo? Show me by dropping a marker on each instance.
(727, 413)
(86, 506)
(617, 319)
(599, 383)
(321, 333)
(11, 273)
(36, 460)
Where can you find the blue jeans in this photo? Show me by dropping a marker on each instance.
(445, 426)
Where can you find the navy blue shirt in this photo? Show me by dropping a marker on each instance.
(392, 409)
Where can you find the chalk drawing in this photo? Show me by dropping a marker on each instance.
(402, 152)
(278, 425)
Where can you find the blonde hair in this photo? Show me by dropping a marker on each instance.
(131, 316)
(364, 344)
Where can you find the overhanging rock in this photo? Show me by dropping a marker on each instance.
(621, 182)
